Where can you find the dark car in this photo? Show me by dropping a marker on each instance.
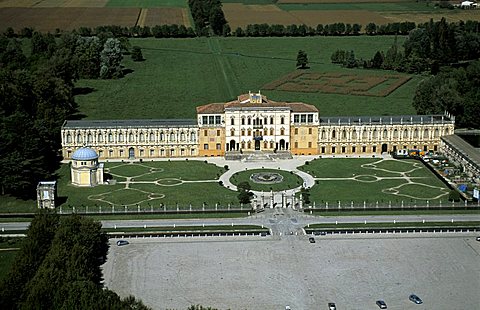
(381, 304)
(414, 298)
(331, 306)
(311, 240)
(122, 242)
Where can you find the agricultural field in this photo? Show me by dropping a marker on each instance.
(220, 69)
(372, 180)
(314, 12)
(49, 15)
(339, 83)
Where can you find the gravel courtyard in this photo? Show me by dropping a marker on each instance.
(270, 273)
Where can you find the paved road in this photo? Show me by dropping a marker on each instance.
(280, 220)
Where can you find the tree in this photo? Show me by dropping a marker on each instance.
(371, 29)
(302, 59)
(377, 60)
(110, 59)
(350, 60)
(137, 53)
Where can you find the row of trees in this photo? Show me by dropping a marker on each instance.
(252, 30)
(208, 17)
(36, 96)
(58, 267)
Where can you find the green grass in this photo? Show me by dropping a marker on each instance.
(219, 69)
(396, 212)
(147, 3)
(407, 6)
(396, 225)
(187, 228)
(371, 190)
(8, 243)
(290, 180)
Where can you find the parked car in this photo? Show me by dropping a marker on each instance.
(311, 240)
(478, 238)
(381, 304)
(122, 242)
(414, 298)
(288, 308)
(331, 306)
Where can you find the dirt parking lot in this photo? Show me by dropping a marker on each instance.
(270, 273)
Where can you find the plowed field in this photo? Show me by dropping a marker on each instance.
(49, 19)
(52, 3)
(167, 16)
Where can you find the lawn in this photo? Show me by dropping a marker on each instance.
(181, 74)
(289, 181)
(373, 180)
(159, 183)
(147, 3)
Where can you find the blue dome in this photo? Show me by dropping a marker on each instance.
(84, 153)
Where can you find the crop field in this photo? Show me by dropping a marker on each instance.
(49, 15)
(220, 69)
(372, 179)
(339, 83)
(165, 16)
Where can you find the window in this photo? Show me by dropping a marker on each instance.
(354, 134)
(162, 136)
(374, 148)
(310, 131)
(243, 120)
(130, 137)
(249, 121)
(205, 146)
(182, 136)
(323, 134)
(110, 137)
(385, 133)
(192, 151)
(142, 137)
(343, 149)
(232, 132)
(282, 131)
(121, 153)
(323, 150)
(172, 136)
(303, 118)
(152, 137)
(172, 152)
(218, 146)
(271, 144)
(364, 149)
(296, 145)
(182, 152)
(333, 134)
(204, 120)
(249, 145)
(395, 133)
(211, 120)
(110, 153)
(265, 131)
(415, 133)
(100, 153)
(344, 134)
(425, 148)
(142, 152)
(89, 138)
(205, 132)
(243, 132)
(434, 148)
(375, 134)
(218, 119)
(309, 144)
(120, 137)
(271, 131)
(152, 153)
(79, 138)
(354, 149)
(218, 133)
(296, 131)
(232, 121)
(405, 133)
(364, 134)
(436, 133)
(249, 132)
(282, 120)
(265, 144)
(162, 152)
(193, 136)
(69, 138)
(265, 121)
(310, 118)
(296, 118)
(271, 120)
(333, 150)
(425, 134)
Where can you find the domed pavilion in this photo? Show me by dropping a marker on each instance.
(85, 168)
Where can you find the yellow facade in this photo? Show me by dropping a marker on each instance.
(253, 123)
